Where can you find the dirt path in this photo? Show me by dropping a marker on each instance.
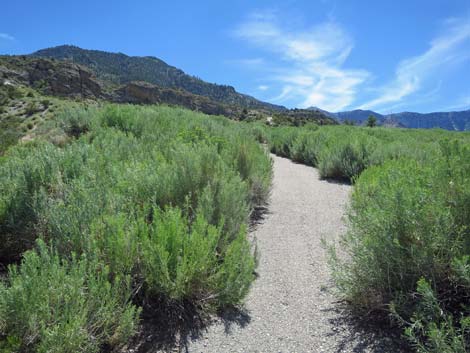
(290, 307)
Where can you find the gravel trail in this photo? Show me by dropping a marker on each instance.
(290, 307)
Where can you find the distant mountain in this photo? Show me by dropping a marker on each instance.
(122, 69)
(327, 113)
(358, 116)
(445, 120)
(457, 121)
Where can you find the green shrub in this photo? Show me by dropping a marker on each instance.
(31, 108)
(54, 305)
(344, 161)
(343, 152)
(46, 103)
(308, 147)
(76, 122)
(157, 195)
(189, 262)
(281, 140)
(432, 329)
(13, 92)
(410, 223)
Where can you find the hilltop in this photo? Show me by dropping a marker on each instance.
(120, 68)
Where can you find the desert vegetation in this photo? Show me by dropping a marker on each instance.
(407, 248)
(135, 205)
(114, 210)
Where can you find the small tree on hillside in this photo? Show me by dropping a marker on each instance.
(371, 121)
(244, 114)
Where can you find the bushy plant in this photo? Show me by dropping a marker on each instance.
(344, 161)
(54, 305)
(76, 122)
(343, 152)
(194, 262)
(31, 108)
(410, 225)
(159, 196)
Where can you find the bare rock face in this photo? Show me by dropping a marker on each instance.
(64, 79)
(140, 92)
(59, 78)
(10, 76)
(145, 93)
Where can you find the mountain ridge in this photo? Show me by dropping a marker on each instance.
(121, 69)
(67, 79)
(453, 120)
(129, 78)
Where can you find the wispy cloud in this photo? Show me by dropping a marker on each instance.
(462, 103)
(263, 87)
(313, 72)
(251, 62)
(450, 47)
(6, 36)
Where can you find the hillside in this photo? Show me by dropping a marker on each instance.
(69, 80)
(121, 69)
(32, 89)
(454, 121)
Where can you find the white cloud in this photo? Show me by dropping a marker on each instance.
(263, 87)
(314, 74)
(451, 46)
(286, 92)
(6, 36)
(252, 62)
(462, 103)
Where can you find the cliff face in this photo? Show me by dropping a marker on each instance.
(51, 77)
(146, 93)
(66, 79)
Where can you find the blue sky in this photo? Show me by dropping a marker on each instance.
(388, 56)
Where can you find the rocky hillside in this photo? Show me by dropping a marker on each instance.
(67, 79)
(52, 77)
(64, 78)
(122, 69)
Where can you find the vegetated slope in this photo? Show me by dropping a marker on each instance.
(70, 80)
(291, 307)
(26, 113)
(454, 121)
(136, 209)
(121, 69)
(66, 79)
(409, 224)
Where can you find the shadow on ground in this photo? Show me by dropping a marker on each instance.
(372, 333)
(168, 327)
(171, 332)
(338, 181)
(257, 217)
(331, 180)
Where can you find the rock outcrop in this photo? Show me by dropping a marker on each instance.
(52, 77)
(146, 93)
